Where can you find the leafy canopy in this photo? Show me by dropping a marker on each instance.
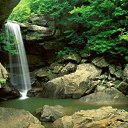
(99, 26)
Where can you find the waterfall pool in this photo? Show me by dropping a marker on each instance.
(31, 104)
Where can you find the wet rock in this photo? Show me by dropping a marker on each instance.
(37, 87)
(100, 62)
(123, 87)
(116, 70)
(84, 55)
(42, 75)
(125, 72)
(104, 117)
(35, 92)
(37, 28)
(68, 86)
(35, 32)
(100, 88)
(42, 20)
(9, 92)
(3, 74)
(45, 74)
(112, 69)
(69, 68)
(38, 19)
(107, 96)
(51, 113)
(73, 57)
(17, 118)
(104, 82)
(57, 68)
(84, 60)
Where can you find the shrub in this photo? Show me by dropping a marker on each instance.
(105, 24)
(5, 45)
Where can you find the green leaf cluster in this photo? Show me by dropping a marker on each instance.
(99, 25)
(22, 12)
(2, 82)
(5, 44)
(64, 52)
(104, 23)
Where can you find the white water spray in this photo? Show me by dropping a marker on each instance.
(19, 72)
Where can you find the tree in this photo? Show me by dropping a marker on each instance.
(98, 26)
(104, 24)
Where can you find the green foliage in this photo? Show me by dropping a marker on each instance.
(64, 52)
(75, 39)
(22, 12)
(6, 45)
(103, 23)
(2, 82)
(98, 25)
(124, 36)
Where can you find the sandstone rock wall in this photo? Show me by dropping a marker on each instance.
(6, 7)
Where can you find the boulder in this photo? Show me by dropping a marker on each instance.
(17, 118)
(37, 88)
(116, 71)
(42, 20)
(35, 32)
(3, 74)
(123, 87)
(104, 117)
(71, 85)
(102, 85)
(35, 92)
(100, 62)
(45, 74)
(39, 19)
(9, 92)
(6, 7)
(72, 57)
(106, 96)
(104, 81)
(85, 54)
(125, 72)
(57, 68)
(69, 68)
(50, 113)
(38, 28)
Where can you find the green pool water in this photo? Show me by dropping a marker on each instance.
(31, 104)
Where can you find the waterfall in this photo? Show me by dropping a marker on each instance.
(19, 72)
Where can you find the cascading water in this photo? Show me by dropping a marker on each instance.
(19, 72)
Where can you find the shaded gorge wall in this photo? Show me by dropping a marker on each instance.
(6, 7)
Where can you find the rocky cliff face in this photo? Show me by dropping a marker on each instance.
(6, 7)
